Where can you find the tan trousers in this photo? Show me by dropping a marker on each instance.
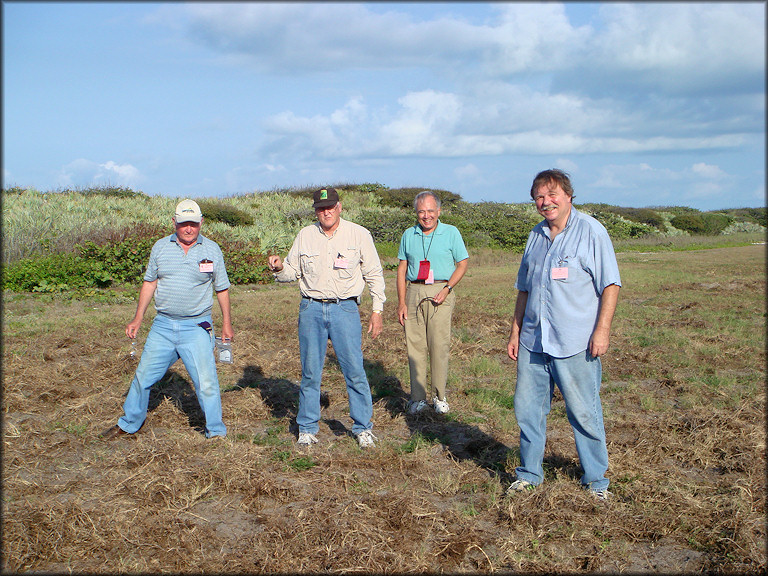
(428, 339)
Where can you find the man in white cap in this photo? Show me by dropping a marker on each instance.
(181, 271)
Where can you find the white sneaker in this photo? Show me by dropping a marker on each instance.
(441, 406)
(366, 439)
(417, 407)
(521, 486)
(602, 494)
(306, 439)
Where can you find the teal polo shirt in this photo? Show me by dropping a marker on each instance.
(444, 247)
(184, 289)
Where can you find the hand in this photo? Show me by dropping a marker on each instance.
(513, 347)
(133, 328)
(598, 344)
(402, 314)
(227, 332)
(375, 324)
(441, 296)
(275, 264)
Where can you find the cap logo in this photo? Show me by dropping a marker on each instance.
(323, 194)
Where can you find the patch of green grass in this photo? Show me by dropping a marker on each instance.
(487, 396)
(302, 463)
(419, 440)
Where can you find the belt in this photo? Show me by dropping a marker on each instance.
(424, 281)
(329, 300)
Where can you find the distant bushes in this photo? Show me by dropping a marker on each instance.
(101, 236)
(225, 213)
(707, 224)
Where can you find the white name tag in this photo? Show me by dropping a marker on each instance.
(206, 267)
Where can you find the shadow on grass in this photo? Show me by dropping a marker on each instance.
(463, 441)
(181, 392)
(282, 397)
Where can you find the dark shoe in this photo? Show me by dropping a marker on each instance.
(114, 432)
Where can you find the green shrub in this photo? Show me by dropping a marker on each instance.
(500, 225)
(403, 197)
(640, 215)
(244, 261)
(386, 225)
(619, 228)
(53, 273)
(220, 212)
(692, 223)
(714, 224)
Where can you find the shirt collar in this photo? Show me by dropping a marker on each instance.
(175, 238)
(418, 229)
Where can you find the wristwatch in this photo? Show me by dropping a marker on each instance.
(449, 287)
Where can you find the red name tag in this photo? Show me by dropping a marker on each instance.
(423, 270)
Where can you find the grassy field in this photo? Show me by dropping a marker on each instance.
(684, 403)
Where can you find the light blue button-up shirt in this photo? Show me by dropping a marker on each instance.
(565, 278)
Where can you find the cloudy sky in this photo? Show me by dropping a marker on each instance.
(655, 104)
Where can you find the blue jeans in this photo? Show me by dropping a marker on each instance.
(578, 378)
(169, 340)
(340, 322)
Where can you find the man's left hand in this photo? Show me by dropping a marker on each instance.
(375, 324)
(598, 344)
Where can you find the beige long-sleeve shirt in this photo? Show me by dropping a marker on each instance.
(335, 267)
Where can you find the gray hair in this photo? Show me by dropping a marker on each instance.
(421, 195)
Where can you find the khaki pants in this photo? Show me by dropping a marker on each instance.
(428, 339)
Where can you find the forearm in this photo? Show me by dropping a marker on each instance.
(519, 314)
(458, 273)
(145, 297)
(608, 302)
(226, 314)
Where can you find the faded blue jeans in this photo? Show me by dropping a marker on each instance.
(339, 321)
(578, 378)
(169, 340)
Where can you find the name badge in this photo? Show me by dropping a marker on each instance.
(430, 277)
(340, 263)
(206, 266)
(559, 273)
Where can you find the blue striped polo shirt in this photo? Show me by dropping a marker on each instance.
(183, 291)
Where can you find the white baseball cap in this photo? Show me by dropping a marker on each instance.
(188, 211)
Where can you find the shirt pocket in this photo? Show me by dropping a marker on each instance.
(309, 263)
(564, 268)
(352, 256)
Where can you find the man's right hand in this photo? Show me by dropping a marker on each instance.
(275, 264)
(402, 314)
(133, 328)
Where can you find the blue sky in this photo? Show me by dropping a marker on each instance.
(654, 104)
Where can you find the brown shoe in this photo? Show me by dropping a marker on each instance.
(114, 432)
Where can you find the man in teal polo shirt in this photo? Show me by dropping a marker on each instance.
(433, 259)
(182, 270)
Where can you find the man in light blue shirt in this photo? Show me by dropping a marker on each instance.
(568, 286)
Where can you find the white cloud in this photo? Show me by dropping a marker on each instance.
(83, 172)
(708, 171)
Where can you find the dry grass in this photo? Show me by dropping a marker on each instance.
(685, 418)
